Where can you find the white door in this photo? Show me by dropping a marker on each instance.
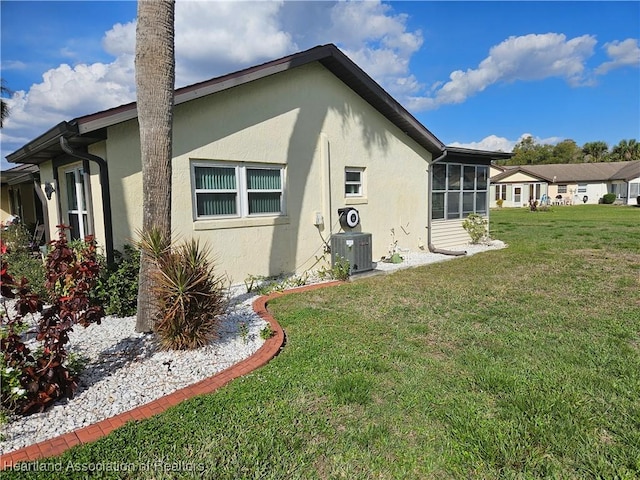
(517, 195)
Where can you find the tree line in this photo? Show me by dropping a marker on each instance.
(528, 152)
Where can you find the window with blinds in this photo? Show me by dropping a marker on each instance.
(237, 190)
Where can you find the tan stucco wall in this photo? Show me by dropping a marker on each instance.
(27, 197)
(307, 120)
(520, 177)
(5, 206)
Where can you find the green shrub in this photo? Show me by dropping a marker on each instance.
(118, 286)
(189, 296)
(609, 198)
(23, 264)
(477, 227)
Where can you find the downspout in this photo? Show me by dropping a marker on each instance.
(432, 248)
(106, 195)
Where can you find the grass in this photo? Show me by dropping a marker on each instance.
(519, 363)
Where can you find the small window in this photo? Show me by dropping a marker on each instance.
(353, 182)
(582, 188)
(562, 189)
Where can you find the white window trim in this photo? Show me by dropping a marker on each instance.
(80, 178)
(361, 183)
(241, 191)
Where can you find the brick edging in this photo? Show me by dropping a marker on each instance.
(271, 347)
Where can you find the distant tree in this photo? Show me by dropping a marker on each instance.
(524, 152)
(528, 152)
(595, 151)
(567, 151)
(626, 150)
(4, 108)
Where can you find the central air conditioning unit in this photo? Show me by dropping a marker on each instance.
(354, 247)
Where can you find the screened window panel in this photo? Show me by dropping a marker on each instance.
(482, 178)
(263, 179)
(453, 205)
(469, 178)
(437, 207)
(468, 203)
(264, 202)
(215, 178)
(212, 204)
(454, 177)
(481, 203)
(439, 176)
(634, 189)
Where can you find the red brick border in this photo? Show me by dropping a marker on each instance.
(265, 353)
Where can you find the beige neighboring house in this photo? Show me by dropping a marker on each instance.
(565, 184)
(20, 195)
(263, 160)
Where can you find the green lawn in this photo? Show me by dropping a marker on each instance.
(517, 363)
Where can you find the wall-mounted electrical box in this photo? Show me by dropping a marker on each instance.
(353, 247)
(318, 219)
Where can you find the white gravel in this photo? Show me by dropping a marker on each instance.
(126, 369)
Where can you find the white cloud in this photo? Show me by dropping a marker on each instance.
(623, 54)
(377, 40)
(13, 65)
(121, 39)
(502, 144)
(214, 38)
(524, 58)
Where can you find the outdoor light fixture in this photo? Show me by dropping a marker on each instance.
(49, 189)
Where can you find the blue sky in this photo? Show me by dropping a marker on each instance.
(477, 74)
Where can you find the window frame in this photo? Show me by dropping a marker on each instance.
(80, 188)
(360, 183)
(563, 188)
(241, 190)
(457, 191)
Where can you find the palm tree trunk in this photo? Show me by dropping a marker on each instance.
(155, 78)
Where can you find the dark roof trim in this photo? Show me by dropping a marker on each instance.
(19, 174)
(45, 141)
(328, 55)
(485, 154)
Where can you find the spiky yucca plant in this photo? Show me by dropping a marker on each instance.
(190, 297)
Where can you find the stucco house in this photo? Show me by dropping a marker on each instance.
(263, 159)
(567, 184)
(19, 195)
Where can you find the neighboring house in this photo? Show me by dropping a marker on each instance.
(263, 160)
(574, 183)
(19, 195)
